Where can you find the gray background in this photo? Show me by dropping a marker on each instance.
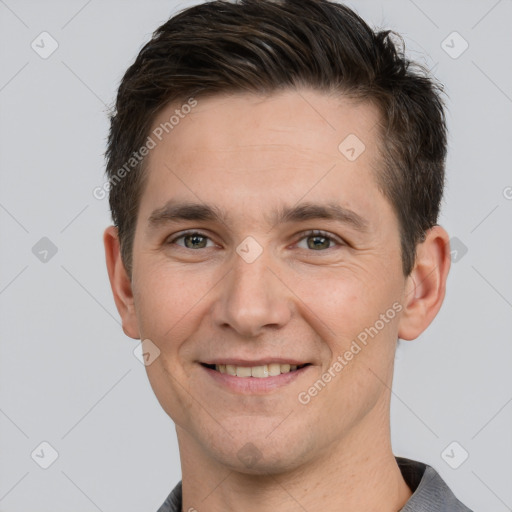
(68, 374)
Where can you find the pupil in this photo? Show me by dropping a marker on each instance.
(191, 241)
(323, 244)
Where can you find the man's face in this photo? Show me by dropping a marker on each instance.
(254, 288)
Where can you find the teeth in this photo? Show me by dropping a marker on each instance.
(274, 369)
(231, 369)
(243, 371)
(260, 372)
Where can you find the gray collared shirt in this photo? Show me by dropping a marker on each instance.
(430, 493)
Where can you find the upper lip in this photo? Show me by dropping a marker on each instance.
(254, 362)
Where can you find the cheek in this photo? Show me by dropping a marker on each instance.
(357, 322)
(168, 300)
(336, 302)
(344, 301)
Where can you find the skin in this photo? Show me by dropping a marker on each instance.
(248, 155)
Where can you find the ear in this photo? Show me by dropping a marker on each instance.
(426, 285)
(120, 283)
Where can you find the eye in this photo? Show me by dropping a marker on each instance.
(315, 240)
(319, 240)
(192, 240)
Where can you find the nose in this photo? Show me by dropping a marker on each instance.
(252, 298)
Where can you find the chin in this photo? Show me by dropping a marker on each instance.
(261, 454)
(250, 460)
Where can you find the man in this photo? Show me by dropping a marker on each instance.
(275, 171)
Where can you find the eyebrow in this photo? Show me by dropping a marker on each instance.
(176, 211)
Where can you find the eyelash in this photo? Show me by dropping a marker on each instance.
(305, 234)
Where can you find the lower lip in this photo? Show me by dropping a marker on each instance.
(255, 385)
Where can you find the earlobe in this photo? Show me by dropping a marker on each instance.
(426, 285)
(120, 283)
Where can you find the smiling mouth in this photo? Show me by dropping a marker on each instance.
(260, 372)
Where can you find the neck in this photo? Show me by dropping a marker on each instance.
(355, 473)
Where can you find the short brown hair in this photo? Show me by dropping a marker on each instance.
(263, 46)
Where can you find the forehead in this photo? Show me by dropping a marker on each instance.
(307, 120)
(294, 143)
